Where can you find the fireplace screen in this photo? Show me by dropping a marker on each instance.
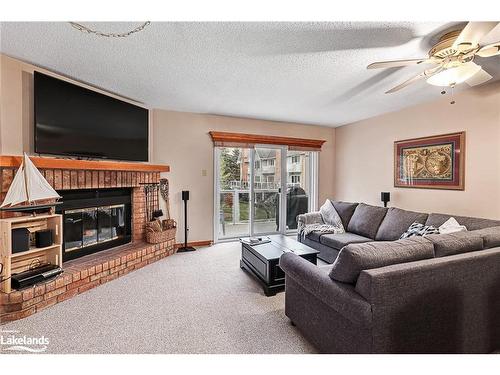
(90, 226)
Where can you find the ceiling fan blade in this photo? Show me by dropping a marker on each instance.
(480, 77)
(489, 50)
(396, 63)
(425, 74)
(472, 34)
(405, 83)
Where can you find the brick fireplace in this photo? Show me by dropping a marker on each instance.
(92, 270)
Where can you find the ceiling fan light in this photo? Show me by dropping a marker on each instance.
(453, 76)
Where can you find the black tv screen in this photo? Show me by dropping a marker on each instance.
(74, 121)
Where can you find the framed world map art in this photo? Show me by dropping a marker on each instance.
(435, 162)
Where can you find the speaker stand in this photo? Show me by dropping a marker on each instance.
(185, 248)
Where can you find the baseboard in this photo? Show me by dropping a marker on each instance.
(195, 244)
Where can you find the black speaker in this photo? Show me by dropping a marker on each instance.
(385, 197)
(43, 238)
(185, 198)
(20, 240)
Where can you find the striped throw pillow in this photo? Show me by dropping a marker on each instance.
(417, 229)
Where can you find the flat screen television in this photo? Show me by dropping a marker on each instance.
(74, 121)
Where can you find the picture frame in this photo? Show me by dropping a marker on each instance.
(434, 162)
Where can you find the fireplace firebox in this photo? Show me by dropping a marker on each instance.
(94, 220)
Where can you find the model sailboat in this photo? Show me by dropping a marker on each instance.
(29, 190)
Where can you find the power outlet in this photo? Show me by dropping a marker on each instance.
(204, 172)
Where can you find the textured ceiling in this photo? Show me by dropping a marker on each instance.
(301, 72)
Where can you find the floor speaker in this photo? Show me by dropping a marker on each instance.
(185, 198)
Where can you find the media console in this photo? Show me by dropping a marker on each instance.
(17, 262)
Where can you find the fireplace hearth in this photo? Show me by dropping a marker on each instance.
(94, 220)
(83, 183)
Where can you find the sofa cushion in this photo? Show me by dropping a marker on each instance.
(396, 222)
(355, 258)
(491, 236)
(471, 223)
(455, 243)
(345, 210)
(315, 236)
(326, 253)
(339, 240)
(366, 220)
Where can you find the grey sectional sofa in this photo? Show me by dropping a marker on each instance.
(365, 223)
(434, 294)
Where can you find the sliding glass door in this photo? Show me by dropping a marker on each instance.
(232, 214)
(261, 190)
(298, 186)
(266, 190)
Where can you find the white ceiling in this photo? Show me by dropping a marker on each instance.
(311, 73)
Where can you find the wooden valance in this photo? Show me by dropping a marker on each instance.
(98, 165)
(226, 139)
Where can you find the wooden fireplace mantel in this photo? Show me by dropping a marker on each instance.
(7, 161)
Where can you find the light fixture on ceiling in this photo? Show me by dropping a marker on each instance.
(453, 56)
(87, 30)
(455, 75)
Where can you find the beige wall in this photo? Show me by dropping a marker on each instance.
(11, 106)
(364, 154)
(182, 141)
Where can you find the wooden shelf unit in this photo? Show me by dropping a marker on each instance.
(19, 262)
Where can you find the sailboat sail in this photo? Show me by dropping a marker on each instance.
(28, 185)
(17, 191)
(36, 185)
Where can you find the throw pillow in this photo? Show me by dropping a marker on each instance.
(451, 226)
(332, 223)
(330, 215)
(417, 229)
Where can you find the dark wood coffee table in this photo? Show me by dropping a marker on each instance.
(262, 260)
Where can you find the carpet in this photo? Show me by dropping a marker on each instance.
(197, 302)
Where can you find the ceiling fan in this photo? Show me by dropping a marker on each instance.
(453, 56)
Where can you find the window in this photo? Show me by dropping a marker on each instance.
(257, 164)
(268, 162)
(295, 178)
(295, 159)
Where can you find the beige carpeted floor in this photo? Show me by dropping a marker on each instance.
(198, 302)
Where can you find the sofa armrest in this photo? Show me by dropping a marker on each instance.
(310, 218)
(307, 219)
(339, 296)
